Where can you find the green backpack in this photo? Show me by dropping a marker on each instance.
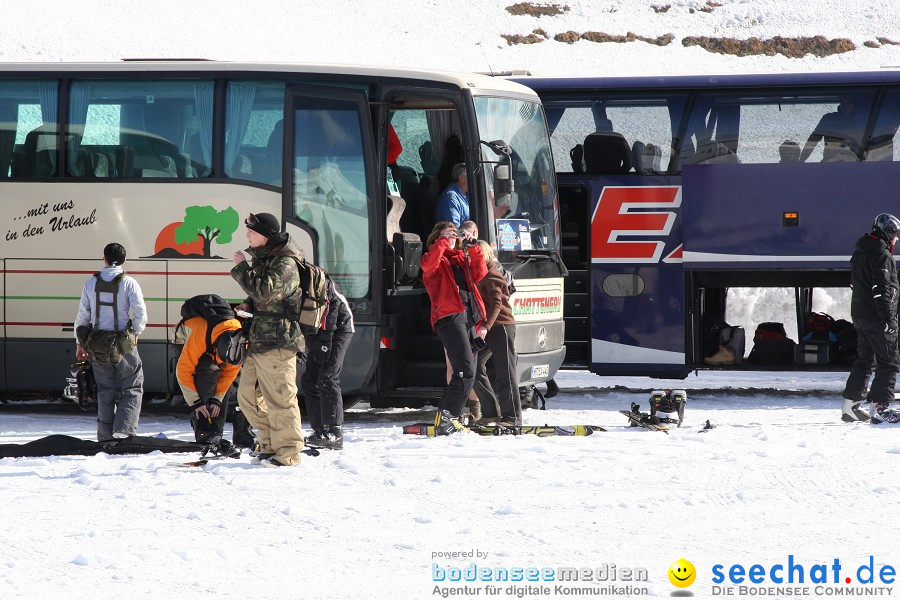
(107, 347)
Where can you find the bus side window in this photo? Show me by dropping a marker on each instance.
(881, 146)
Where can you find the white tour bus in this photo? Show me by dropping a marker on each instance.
(169, 157)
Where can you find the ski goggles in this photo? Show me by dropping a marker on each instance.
(259, 227)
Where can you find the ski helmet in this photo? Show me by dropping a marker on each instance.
(888, 225)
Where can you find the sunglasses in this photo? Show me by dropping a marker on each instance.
(258, 226)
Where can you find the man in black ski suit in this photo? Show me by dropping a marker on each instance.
(873, 308)
(320, 382)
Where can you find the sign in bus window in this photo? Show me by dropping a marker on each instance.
(513, 234)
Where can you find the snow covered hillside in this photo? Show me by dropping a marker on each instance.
(450, 35)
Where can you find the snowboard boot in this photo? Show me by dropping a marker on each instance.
(228, 450)
(446, 424)
(334, 438)
(316, 439)
(723, 356)
(475, 409)
(851, 412)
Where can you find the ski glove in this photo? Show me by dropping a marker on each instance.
(890, 327)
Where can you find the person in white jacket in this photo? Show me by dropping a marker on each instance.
(120, 387)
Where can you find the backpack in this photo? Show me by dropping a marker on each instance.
(769, 331)
(230, 346)
(819, 323)
(313, 303)
(106, 347)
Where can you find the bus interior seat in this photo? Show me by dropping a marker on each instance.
(153, 156)
(408, 182)
(789, 151)
(269, 170)
(637, 155)
(93, 164)
(407, 257)
(577, 156)
(39, 153)
(653, 158)
(7, 149)
(397, 206)
(607, 153)
(429, 192)
(714, 153)
(647, 158)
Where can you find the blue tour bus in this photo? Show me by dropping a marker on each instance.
(674, 189)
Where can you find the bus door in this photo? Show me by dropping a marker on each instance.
(331, 206)
(637, 281)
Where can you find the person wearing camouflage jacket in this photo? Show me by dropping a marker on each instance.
(267, 393)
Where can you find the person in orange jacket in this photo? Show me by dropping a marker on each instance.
(205, 378)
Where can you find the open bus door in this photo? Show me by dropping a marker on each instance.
(331, 205)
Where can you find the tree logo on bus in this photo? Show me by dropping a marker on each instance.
(193, 237)
(621, 216)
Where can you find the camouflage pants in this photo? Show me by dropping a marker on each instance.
(267, 396)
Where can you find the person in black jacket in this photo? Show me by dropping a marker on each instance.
(320, 382)
(873, 308)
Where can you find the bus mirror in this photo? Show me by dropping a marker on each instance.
(503, 185)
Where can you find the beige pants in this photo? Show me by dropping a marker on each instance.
(272, 407)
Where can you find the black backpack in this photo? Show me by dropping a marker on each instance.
(230, 346)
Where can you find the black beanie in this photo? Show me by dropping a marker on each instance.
(264, 224)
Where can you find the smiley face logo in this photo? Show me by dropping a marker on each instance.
(682, 573)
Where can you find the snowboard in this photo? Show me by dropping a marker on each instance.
(427, 429)
(637, 420)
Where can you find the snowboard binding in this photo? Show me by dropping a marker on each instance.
(81, 388)
(667, 406)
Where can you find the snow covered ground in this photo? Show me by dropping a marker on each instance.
(780, 475)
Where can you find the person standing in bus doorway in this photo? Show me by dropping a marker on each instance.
(111, 301)
(873, 308)
(453, 205)
(500, 400)
(267, 393)
(321, 382)
(450, 276)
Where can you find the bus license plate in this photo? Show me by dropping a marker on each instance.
(538, 371)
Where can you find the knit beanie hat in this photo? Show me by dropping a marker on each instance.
(264, 224)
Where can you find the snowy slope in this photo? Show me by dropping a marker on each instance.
(444, 35)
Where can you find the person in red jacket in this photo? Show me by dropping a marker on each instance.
(204, 379)
(450, 275)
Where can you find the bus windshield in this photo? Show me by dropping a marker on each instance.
(521, 126)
